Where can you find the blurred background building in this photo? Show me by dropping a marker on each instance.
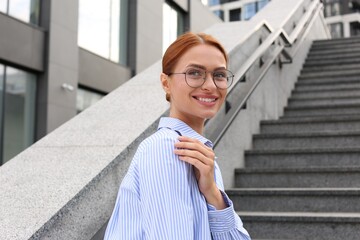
(342, 16)
(53, 66)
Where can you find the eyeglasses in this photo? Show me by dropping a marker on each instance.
(195, 77)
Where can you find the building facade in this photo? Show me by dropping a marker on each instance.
(59, 57)
(342, 16)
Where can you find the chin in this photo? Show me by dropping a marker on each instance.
(209, 115)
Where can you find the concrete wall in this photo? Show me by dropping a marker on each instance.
(56, 105)
(24, 47)
(99, 73)
(149, 33)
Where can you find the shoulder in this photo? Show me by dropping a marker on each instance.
(157, 146)
(161, 138)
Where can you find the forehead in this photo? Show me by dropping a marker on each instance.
(203, 55)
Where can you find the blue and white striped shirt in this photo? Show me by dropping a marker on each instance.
(159, 198)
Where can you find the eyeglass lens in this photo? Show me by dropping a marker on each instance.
(196, 77)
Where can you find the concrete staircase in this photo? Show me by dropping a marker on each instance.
(302, 177)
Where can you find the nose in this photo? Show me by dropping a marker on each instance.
(209, 81)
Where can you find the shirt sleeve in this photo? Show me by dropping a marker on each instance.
(125, 221)
(225, 224)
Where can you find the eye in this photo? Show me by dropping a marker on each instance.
(194, 73)
(220, 74)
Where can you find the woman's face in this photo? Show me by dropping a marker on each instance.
(195, 104)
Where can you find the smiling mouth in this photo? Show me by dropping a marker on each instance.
(207, 100)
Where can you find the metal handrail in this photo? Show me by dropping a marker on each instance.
(289, 41)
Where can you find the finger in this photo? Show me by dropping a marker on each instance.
(194, 154)
(194, 162)
(191, 140)
(198, 146)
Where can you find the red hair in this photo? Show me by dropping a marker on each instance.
(182, 44)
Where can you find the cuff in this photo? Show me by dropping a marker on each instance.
(222, 220)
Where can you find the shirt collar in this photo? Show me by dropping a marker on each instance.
(183, 128)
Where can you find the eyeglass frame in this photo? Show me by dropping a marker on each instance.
(212, 77)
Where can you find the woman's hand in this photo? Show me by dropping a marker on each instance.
(202, 158)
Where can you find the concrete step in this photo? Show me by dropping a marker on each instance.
(307, 177)
(336, 67)
(348, 40)
(332, 62)
(305, 125)
(301, 158)
(325, 140)
(355, 92)
(333, 51)
(335, 45)
(315, 56)
(349, 109)
(308, 87)
(331, 74)
(295, 199)
(330, 80)
(295, 102)
(302, 225)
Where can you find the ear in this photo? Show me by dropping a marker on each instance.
(165, 82)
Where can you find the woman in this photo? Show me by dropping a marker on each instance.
(173, 188)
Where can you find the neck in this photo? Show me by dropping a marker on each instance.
(195, 123)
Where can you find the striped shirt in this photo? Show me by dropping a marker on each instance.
(159, 198)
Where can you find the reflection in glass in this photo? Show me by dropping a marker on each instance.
(86, 98)
(219, 13)
(262, 3)
(173, 25)
(250, 10)
(19, 112)
(3, 6)
(94, 26)
(25, 10)
(102, 29)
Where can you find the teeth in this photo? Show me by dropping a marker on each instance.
(206, 99)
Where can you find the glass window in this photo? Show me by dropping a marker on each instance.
(85, 98)
(25, 10)
(355, 29)
(213, 2)
(173, 24)
(103, 27)
(19, 112)
(219, 13)
(3, 6)
(249, 10)
(332, 8)
(262, 3)
(235, 14)
(336, 30)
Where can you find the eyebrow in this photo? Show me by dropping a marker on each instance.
(202, 67)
